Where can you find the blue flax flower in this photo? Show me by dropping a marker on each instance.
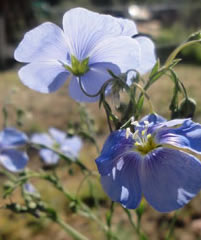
(155, 161)
(58, 140)
(10, 157)
(89, 45)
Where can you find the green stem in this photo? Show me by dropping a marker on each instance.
(76, 161)
(8, 174)
(70, 230)
(84, 209)
(109, 220)
(108, 120)
(177, 50)
(143, 91)
(172, 225)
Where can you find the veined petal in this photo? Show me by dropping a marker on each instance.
(152, 118)
(122, 183)
(71, 146)
(166, 125)
(92, 81)
(44, 77)
(115, 146)
(13, 160)
(170, 178)
(148, 56)
(49, 157)
(128, 27)
(43, 139)
(57, 134)
(122, 51)
(84, 29)
(187, 136)
(171, 123)
(11, 137)
(43, 43)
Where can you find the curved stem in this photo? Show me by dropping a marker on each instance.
(146, 95)
(177, 50)
(180, 82)
(99, 91)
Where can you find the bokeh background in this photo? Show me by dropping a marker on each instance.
(168, 22)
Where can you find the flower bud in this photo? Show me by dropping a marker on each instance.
(187, 108)
(195, 36)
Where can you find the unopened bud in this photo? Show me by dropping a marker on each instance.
(195, 36)
(187, 108)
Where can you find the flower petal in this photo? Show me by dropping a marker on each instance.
(49, 157)
(13, 160)
(152, 118)
(128, 27)
(45, 42)
(92, 81)
(187, 136)
(44, 77)
(43, 139)
(84, 29)
(11, 137)
(170, 178)
(122, 183)
(122, 51)
(148, 56)
(115, 145)
(29, 188)
(71, 146)
(57, 134)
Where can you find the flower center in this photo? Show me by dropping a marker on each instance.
(144, 143)
(146, 146)
(56, 146)
(78, 68)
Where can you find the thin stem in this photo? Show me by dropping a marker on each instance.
(172, 225)
(76, 161)
(146, 95)
(130, 219)
(108, 121)
(180, 82)
(70, 230)
(83, 210)
(127, 122)
(99, 91)
(109, 220)
(8, 174)
(177, 50)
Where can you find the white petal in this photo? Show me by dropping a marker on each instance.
(45, 42)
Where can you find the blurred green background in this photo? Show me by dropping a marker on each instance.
(168, 23)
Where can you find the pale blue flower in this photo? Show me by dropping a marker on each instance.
(89, 45)
(28, 187)
(156, 161)
(59, 141)
(11, 158)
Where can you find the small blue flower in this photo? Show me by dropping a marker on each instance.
(29, 188)
(153, 161)
(11, 158)
(58, 140)
(89, 45)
